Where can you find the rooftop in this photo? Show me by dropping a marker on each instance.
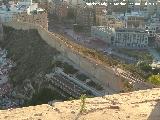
(130, 30)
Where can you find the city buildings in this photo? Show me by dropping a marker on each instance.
(9, 11)
(158, 9)
(61, 9)
(100, 9)
(116, 24)
(109, 21)
(135, 20)
(136, 23)
(102, 32)
(24, 11)
(151, 7)
(121, 37)
(44, 5)
(76, 2)
(130, 38)
(40, 18)
(85, 16)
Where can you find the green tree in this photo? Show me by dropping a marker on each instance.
(155, 79)
(145, 67)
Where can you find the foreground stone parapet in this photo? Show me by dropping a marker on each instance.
(139, 105)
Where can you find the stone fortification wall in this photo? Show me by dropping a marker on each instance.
(76, 53)
(39, 18)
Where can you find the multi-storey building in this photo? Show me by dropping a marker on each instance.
(151, 7)
(85, 16)
(40, 18)
(8, 12)
(121, 37)
(153, 26)
(76, 2)
(100, 9)
(135, 20)
(158, 9)
(143, 5)
(25, 2)
(61, 9)
(102, 32)
(44, 5)
(109, 21)
(130, 38)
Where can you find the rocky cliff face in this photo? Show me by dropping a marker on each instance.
(33, 57)
(34, 78)
(140, 105)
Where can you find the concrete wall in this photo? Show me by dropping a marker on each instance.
(102, 73)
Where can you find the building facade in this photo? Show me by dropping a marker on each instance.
(85, 16)
(130, 38)
(151, 7)
(135, 21)
(8, 12)
(39, 18)
(100, 9)
(109, 21)
(61, 9)
(102, 32)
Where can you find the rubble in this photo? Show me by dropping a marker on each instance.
(7, 99)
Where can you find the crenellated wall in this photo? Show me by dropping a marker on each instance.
(101, 72)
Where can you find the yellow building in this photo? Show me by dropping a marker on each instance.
(109, 21)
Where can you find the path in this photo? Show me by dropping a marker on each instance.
(138, 83)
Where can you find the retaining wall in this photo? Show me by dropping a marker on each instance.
(104, 74)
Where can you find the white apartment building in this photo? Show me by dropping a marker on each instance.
(121, 37)
(25, 2)
(130, 38)
(153, 26)
(151, 7)
(102, 32)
